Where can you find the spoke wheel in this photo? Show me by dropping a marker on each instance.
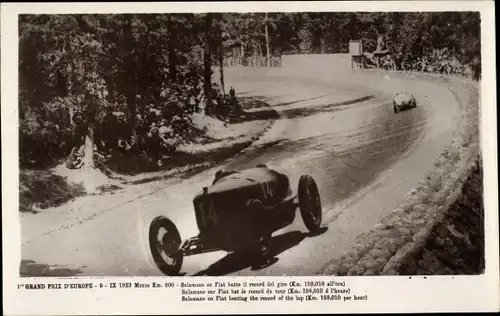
(310, 203)
(395, 107)
(164, 243)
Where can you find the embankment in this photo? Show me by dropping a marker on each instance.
(441, 219)
(47, 188)
(455, 245)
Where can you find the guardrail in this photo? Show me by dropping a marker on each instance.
(257, 61)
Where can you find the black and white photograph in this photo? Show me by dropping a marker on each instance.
(218, 129)
(304, 143)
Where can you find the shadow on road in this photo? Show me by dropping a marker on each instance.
(265, 112)
(235, 262)
(303, 100)
(30, 268)
(312, 110)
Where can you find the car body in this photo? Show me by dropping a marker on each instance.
(238, 213)
(223, 210)
(403, 101)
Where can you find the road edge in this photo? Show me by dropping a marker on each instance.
(402, 233)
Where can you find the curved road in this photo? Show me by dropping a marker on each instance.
(340, 130)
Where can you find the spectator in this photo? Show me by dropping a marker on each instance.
(75, 159)
(152, 115)
(109, 129)
(123, 133)
(81, 130)
(164, 131)
(139, 131)
(66, 140)
(154, 144)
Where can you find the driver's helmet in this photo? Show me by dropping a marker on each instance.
(221, 173)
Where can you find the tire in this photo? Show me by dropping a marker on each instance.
(396, 109)
(310, 203)
(168, 246)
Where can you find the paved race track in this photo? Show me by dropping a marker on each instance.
(340, 130)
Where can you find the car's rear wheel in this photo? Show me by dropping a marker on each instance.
(310, 203)
(164, 243)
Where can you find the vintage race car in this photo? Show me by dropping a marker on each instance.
(238, 213)
(403, 101)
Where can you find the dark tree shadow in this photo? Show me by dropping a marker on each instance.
(254, 102)
(332, 107)
(243, 93)
(259, 101)
(267, 113)
(30, 268)
(260, 115)
(237, 261)
(302, 100)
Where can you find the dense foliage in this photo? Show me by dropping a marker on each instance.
(146, 70)
(76, 70)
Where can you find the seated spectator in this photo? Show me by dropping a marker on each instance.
(153, 144)
(75, 159)
(81, 130)
(67, 141)
(123, 144)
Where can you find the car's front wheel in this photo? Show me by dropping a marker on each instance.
(164, 243)
(310, 203)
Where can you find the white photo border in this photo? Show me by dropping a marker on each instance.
(386, 294)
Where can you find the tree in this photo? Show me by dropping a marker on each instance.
(267, 43)
(221, 36)
(83, 64)
(207, 59)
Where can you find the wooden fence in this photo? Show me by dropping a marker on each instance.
(252, 62)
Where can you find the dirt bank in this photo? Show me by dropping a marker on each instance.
(43, 189)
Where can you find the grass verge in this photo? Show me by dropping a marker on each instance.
(40, 189)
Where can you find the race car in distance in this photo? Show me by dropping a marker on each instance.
(238, 213)
(403, 101)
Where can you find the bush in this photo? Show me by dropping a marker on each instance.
(441, 61)
(43, 190)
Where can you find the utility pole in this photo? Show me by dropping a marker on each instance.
(221, 58)
(268, 61)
